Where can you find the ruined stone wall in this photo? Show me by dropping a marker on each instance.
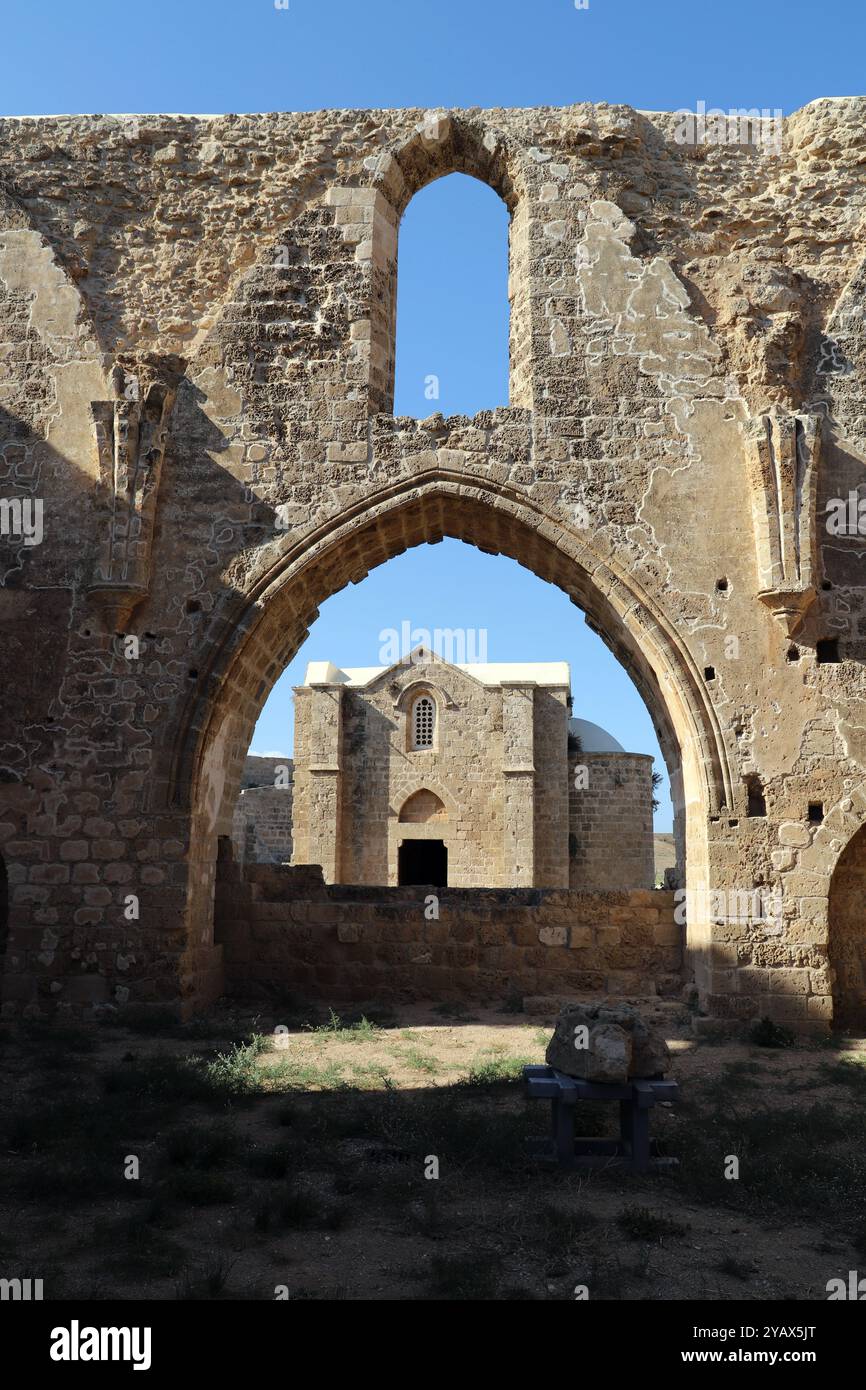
(261, 830)
(284, 935)
(611, 821)
(262, 826)
(196, 350)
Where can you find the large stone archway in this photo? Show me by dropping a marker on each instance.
(205, 420)
(260, 641)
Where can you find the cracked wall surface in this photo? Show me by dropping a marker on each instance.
(196, 374)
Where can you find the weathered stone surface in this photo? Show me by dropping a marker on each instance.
(602, 1053)
(496, 785)
(687, 413)
(606, 1042)
(475, 949)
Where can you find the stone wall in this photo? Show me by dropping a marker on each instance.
(262, 826)
(204, 413)
(611, 820)
(283, 931)
(261, 771)
(844, 975)
(262, 822)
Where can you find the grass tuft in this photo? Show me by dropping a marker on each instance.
(639, 1223)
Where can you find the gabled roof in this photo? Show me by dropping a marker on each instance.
(552, 674)
(547, 673)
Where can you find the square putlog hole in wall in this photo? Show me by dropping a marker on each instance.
(827, 651)
(757, 805)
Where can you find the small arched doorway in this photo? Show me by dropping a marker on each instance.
(847, 935)
(421, 840)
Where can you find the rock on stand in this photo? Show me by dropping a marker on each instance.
(606, 1043)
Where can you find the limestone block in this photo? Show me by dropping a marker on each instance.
(619, 1043)
(553, 936)
(793, 833)
(606, 1058)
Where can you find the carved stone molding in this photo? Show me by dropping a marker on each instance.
(783, 452)
(131, 433)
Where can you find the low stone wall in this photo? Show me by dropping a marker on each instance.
(283, 931)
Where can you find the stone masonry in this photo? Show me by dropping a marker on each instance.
(197, 448)
(495, 786)
(262, 820)
(611, 821)
(284, 932)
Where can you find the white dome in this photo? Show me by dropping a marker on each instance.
(593, 738)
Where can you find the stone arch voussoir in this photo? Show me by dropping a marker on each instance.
(442, 143)
(268, 622)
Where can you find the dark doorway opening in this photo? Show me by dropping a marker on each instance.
(423, 861)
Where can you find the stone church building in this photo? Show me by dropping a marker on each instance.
(425, 772)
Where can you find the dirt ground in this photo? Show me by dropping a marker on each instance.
(251, 1156)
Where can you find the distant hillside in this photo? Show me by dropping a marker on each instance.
(665, 854)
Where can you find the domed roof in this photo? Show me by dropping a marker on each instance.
(593, 738)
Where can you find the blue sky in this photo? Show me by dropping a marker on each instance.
(216, 56)
(245, 55)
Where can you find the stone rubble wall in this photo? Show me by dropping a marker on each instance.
(196, 357)
(283, 931)
(262, 821)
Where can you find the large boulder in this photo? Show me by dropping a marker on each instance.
(607, 1043)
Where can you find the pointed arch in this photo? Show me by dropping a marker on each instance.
(441, 143)
(834, 911)
(445, 142)
(253, 641)
(422, 807)
(407, 789)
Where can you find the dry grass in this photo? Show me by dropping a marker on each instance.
(301, 1159)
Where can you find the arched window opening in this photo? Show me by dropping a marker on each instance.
(423, 722)
(453, 316)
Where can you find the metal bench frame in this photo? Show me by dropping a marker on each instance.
(634, 1149)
